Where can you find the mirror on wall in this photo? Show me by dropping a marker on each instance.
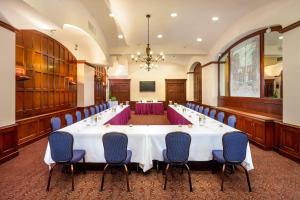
(224, 75)
(273, 65)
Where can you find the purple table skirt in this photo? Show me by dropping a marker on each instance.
(175, 118)
(121, 118)
(149, 108)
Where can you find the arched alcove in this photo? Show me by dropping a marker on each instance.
(196, 68)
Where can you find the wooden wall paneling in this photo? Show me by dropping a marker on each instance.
(47, 64)
(175, 90)
(8, 142)
(198, 83)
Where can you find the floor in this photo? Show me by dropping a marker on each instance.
(25, 177)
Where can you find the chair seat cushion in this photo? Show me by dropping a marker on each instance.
(218, 156)
(77, 155)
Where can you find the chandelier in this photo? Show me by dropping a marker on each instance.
(149, 61)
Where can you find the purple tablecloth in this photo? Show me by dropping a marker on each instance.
(122, 118)
(149, 108)
(175, 118)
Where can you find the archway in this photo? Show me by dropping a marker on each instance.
(196, 69)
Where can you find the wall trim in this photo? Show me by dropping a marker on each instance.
(8, 27)
(290, 27)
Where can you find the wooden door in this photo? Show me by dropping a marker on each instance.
(120, 88)
(198, 83)
(176, 90)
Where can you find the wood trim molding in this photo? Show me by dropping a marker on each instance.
(8, 27)
(210, 63)
(8, 142)
(290, 27)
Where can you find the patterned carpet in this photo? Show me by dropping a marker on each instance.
(25, 177)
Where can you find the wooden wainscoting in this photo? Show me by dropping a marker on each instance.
(8, 142)
(287, 141)
(52, 70)
(34, 128)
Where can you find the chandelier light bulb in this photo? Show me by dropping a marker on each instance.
(161, 53)
(138, 53)
(132, 56)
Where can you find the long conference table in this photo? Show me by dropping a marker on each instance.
(149, 108)
(148, 141)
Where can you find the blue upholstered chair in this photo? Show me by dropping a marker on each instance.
(86, 113)
(200, 109)
(192, 106)
(206, 111)
(231, 121)
(107, 105)
(104, 106)
(78, 115)
(61, 147)
(177, 152)
(97, 108)
(55, 123)
(116, 153)
(101, 107)
(187, 105)
(233, 153)
(220, 117)
(69, 119)
(196, 108)
(212, 113)
(92, 110)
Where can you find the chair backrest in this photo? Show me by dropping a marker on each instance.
(212, 113)
(100, 108)
(192, 106)
(187, 105)
(206, 111)
(200, 109)
(97, 108)
(220, 117)
(231, 121)
(115, 147)
(55, 123)
(104, 106)
(178, 146)
(92, 110)
(234, 146)
(86, 113)
(61, 146)
(78, 115)
(107, 105)
(69, 119)
(196, 108)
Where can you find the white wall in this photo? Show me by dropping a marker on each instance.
(291, 81)
(85, 85)
(7, 77)
(210, 85)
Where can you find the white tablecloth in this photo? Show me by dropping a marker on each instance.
(112, 103)
(148, 141)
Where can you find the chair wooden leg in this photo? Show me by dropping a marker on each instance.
(222, 176)
(248, 180)
(137, 167)
(166, 174)
(157, 166)
(72, 174)
(49, 178)
(190, 179)
(102, 182)
(126, 173)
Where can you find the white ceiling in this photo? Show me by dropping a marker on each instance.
(179, 34)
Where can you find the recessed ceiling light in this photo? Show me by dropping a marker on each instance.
(199, 39)
(215, 18)
(120, 36)
(159, 36)
(280, 37)
(111, 14)
(173, 15)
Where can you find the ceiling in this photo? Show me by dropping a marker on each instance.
(179, 33)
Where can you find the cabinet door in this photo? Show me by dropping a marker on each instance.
(259, 132)
(249, 127)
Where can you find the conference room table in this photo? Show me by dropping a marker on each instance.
(148, 141)
(149, 108)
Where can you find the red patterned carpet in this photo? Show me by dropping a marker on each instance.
(25, 177)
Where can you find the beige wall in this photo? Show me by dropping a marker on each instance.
(291, 81)
(7, 77)
(85, 85)
(210, 85)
